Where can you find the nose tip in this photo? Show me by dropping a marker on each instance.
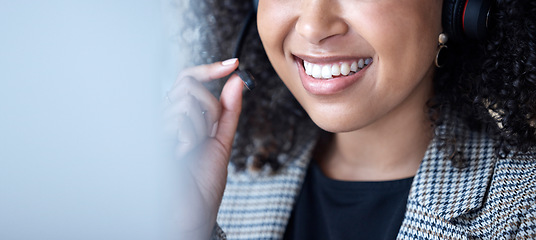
(319, 21)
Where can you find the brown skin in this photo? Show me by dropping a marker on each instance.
(380, 123)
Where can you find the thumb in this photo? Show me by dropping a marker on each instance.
(231, 101)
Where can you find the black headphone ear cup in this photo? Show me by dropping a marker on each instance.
(475, 19)
(452, 18)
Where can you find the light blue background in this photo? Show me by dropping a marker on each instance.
(80, 86)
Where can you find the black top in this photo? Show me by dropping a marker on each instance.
(331, 209)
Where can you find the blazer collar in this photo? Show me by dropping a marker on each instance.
(449, 190)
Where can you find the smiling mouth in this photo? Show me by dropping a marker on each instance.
(331, 75)
(334, 70)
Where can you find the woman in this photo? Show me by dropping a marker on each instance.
(407, 146)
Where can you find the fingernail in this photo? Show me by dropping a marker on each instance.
(229, 61)
(214, 129)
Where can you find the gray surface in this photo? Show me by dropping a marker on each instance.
(80, 86)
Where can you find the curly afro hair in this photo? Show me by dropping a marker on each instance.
(491, 85)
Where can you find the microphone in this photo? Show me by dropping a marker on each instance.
(247, 78)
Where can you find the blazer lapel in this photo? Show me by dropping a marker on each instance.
(441, 191)
(258, 205)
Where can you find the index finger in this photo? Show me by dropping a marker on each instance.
(208, 72)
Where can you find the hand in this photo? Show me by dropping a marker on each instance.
(204, 128)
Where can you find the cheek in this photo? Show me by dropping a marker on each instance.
(274, 22)
(405, 40)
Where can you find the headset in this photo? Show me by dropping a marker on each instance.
(255, 4)
(466, 19)
(247, 78)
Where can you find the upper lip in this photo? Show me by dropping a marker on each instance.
(328, 59)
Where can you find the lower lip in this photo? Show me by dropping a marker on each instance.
(327, 86)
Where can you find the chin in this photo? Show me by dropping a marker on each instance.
(336, 123)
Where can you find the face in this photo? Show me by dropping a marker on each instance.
(391, 44)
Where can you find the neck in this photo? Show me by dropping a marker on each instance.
(391, 148)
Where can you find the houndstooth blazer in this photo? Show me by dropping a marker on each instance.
(489, 198)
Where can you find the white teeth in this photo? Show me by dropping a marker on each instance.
(345, 69)
(353, 67)
(308, 68)
(326, 71)
(334, 70)
(317, 71)
(361, 63)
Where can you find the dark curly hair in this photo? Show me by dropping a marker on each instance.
(491, 85)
